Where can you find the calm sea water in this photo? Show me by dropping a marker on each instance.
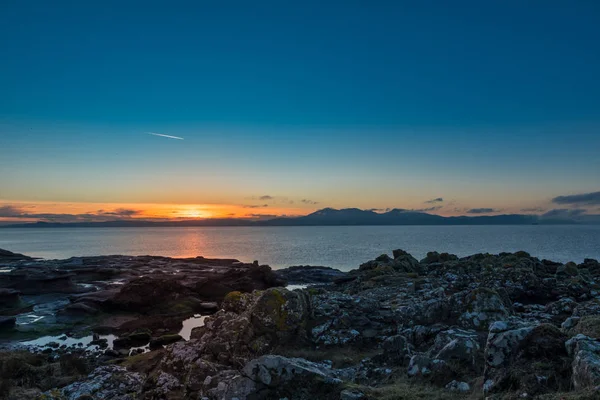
(343, 247)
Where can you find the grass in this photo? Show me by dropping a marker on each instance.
(406, 390)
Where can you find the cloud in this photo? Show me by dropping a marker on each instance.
(533, 209)
(261, 217)
(582, 199)
(437, 200)
(565, 213)
(255, 206)
(122, 212)
(165, 136)
(307, 201)
(481, 210)
(266, 197)
(10, 211)
(435, 208)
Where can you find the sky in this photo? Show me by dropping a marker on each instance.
(287, 107)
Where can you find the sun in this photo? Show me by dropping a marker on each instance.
(194, 214)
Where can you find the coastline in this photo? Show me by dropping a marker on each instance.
(443, 326)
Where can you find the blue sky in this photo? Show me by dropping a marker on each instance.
(352, 103)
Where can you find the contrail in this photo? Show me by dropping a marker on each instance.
(167, 136)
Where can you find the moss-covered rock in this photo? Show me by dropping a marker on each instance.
(588, 326)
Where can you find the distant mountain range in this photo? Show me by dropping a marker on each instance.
(329, 217)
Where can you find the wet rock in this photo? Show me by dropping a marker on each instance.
(36, 281)
(164, 341)
(9, 298)
(8, 256)
(144, 294)
(7, 323)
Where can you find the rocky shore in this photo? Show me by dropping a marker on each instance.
(507, 326)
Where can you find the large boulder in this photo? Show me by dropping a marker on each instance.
(460, 347)
(152, 295)
(7, 323)
(588, 325)
(483, 307)
(405, 262)
(9, 256)
(527, 359)
(108, 382)
(9, 299)
(276, 377)
(586, 361)
(261, 321)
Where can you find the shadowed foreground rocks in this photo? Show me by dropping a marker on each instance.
(505, 326)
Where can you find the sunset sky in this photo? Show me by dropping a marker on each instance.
(466, 107)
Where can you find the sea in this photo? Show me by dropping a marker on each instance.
(343, 247)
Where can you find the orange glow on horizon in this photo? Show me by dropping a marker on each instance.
(20, 211)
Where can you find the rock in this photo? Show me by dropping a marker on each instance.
(305, 274)
(569, 323)
(279, 377)
(353, 394)
(139, 338)
(529, 359)
(77, 310)
(7, 322)
(419, 365)
(145, 294)
(460, 347)
(484, 306)
(33, 281)
(122, 343)
(396, 350)
(9, 298)
(108, 382)
(404, 262)
(456, 386)
(164, 341)
(435, 257)
(8, 256)
(567, 271)
(588, 325)
(586, 361)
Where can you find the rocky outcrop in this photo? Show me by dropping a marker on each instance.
(496, 326)
(306, 274)
(8, 257)
(586, 361)
(109, 382)
(531, 359)
(276, 377)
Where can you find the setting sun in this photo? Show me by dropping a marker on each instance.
(195, 214)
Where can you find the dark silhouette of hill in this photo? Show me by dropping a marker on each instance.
(325, 217)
